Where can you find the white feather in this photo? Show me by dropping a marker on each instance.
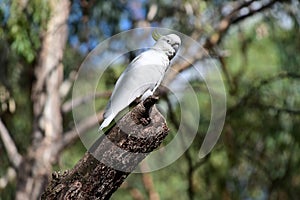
(142, 76)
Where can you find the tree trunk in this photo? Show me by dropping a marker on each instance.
(47, 119)
(118, 153)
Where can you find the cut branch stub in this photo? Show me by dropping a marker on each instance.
(113, 156)
(142, 111)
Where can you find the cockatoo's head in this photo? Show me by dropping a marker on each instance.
(167, 43)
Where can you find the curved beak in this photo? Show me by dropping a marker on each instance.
(176, 47)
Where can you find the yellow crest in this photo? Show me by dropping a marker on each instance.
(156, 35)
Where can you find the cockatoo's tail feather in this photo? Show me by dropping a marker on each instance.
(107, 121)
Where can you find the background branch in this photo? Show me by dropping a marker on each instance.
(73, 103)
(148, 183)
(254, 89)
(12, 152)
(9, 177)
(71, 136)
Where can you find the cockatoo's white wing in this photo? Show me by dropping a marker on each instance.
(142, 74)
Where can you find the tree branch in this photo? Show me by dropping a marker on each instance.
(233, 18)
(244, 99)
(134, 192)
(123, 147)
(13, 155)
(277, 109)
(148, 183)
(10, 176)
(216, 37)
(252, 11)
(72, 135)
(70, 104)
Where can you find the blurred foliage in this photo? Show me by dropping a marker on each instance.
(26, 24)
(257, 156)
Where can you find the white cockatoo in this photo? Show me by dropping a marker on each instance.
(142, 76)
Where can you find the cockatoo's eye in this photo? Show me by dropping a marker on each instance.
(168, 41)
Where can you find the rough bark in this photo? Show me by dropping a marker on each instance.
(47, 119)
(124, 146)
